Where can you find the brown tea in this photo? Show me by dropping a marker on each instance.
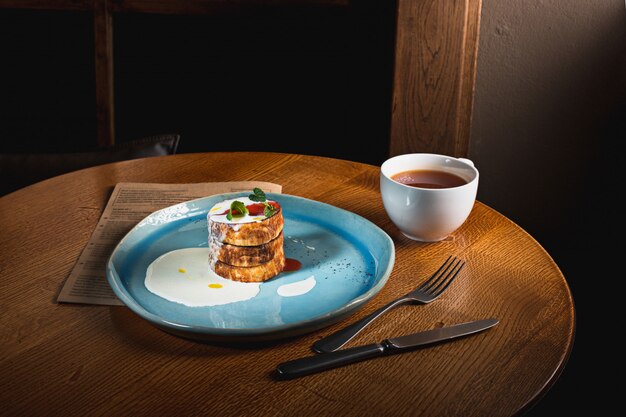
(428, 178)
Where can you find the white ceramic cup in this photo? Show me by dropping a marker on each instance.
(428, 214)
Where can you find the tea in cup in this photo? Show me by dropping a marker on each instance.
(428, 196)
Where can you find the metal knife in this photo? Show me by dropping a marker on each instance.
(324, 361)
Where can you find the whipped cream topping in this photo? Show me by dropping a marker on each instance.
(218, 212)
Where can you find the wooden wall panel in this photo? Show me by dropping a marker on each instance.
(434, 75)
(103, 27)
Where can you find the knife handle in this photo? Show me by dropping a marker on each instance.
(324, 361)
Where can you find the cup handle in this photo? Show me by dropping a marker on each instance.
(467, 161)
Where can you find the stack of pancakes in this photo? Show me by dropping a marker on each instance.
(247, 248)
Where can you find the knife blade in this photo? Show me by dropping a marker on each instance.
(324, 361)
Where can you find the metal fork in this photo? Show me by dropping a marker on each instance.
(426, 293)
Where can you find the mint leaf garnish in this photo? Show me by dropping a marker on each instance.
(258, 195)
(237, 209)
(269, 210)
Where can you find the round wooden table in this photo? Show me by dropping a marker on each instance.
(72, 359)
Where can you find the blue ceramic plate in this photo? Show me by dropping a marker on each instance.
(349, 258)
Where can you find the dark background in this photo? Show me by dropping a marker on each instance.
(307, 80)
(315, 81)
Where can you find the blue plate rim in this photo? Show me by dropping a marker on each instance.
(287, 328)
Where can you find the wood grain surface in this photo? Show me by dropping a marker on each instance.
(435, 70)
(70, 359)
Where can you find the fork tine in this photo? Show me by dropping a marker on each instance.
(449, 278)
(437, 275)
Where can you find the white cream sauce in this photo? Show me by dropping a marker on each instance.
(223, 206)
(183, 276)
(297, 288)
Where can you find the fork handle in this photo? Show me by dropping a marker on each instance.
(338, 339)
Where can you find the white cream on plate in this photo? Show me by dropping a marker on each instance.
(297, 288)
(183, 276)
